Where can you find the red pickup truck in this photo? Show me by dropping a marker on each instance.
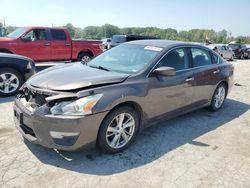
(49, 44)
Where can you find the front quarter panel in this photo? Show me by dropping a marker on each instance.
(128, 91)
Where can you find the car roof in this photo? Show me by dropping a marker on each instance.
(165, 43)
(41, 27)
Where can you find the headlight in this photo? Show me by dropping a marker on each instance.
(81, 106)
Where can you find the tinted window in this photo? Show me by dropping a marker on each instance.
(233, 46)
(118, 38)
(58, 34)
(243, 46)
(215, 58)
(177, 59)
(200, 57)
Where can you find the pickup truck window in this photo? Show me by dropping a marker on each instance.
(35, 35)
(17, 33)
(58, 34)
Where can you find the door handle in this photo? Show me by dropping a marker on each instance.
(189, 79)
(67, 44)
(216, 71)
(47, 44)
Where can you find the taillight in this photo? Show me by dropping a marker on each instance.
(101, 46)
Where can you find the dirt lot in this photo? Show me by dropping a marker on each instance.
(200, 149)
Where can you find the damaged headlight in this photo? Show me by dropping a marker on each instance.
(82, 106)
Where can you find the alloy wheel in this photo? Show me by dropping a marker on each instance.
(85, 59)
(8, 83)
(219, 97)
(120, 130)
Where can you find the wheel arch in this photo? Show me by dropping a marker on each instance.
(131, 104)
(3, 50)
(226, 84)
(86, 51)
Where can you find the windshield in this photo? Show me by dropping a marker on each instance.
(127, 58)
(17, 33)
(233, 46)
(119, 38)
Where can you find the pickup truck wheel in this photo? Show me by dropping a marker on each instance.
(10, 82)
(84, 57)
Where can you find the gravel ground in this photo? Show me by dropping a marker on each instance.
(200, 149)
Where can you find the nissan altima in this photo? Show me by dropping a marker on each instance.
(119, 93)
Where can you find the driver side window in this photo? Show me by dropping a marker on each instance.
(176, 58)
(35, 35)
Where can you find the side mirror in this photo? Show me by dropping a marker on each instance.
(165, 71)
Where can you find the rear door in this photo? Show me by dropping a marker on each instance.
(206, 74)
(169, 93)
(60, 45)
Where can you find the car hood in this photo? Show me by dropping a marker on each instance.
(73, 76)
(6, 39)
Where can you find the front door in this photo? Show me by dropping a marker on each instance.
(169, 93)
(35, 45)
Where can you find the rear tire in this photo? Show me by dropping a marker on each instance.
(84, 57)
(10, 82)
(218, 98)
(113, 136)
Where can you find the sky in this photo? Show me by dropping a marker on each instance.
(231, 15)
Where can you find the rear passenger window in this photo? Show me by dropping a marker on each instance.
(215, 58)
(177, 59)
(200, 57)
(58, 34)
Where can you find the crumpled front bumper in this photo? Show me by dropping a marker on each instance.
(58, 132)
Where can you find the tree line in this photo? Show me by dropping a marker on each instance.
(193, 35)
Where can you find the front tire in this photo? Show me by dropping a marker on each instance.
(118, 129)
(10, 82)
(218, 97)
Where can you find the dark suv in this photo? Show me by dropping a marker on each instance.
(240, 50)
(118, 39)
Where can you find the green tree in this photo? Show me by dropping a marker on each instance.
(108, 31)
(71, 29)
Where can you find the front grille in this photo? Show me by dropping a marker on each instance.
(31, 99)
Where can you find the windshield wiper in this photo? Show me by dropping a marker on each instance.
(101, 68)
